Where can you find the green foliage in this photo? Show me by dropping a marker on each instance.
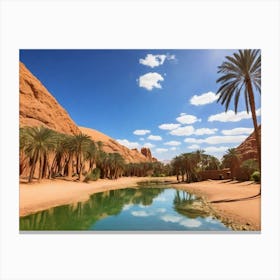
(189, 165)
(249, 167)
(93, 176)
(256, 176)
(239, 73)
(158, 175)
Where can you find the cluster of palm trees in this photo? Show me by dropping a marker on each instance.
(48, 154)
(143, 169)
(189, 165)
(51, 154)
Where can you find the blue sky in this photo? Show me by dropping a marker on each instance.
(163, 99)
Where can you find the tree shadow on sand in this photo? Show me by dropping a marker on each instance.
(237, 199)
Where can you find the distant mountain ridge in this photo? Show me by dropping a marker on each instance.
(39, 108)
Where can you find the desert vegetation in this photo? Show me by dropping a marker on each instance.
(49, 154)
(241, 74)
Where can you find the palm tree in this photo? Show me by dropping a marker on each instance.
(37, 143)
(242, 73)
(80, 144)
(231, 160)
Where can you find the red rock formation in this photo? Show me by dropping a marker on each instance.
(248, 148)
(38, 107)
(147, 153)
(110, 145)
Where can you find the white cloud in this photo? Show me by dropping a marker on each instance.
(160, 198)
(194, 147)
(161, 210)
(171, 218)
(141, 131)
(161, 150)
(193, 140)
(212, 149)
(154, 137)
(224, 139)
(230, 116)
(183, 131)
(141, 213)
(182, 221)
(156, 60)
(190, 223)
(142, 139)
(202, 131)
(153, 60)
(148, 145)
(169, 126)
(189, 130)
(173, 148)
(211, 220)
(204, 98)
(238, 131)
(150, 80)
(171, 57)
(218, 139)
(172, 143)
(127, 207)
(128, 144)
(187, 119)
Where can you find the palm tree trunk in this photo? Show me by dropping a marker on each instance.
(70, 166)
(253, 111)
(34, 160)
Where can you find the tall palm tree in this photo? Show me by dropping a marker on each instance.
(80, 144)
(37, 143)
(241, 73)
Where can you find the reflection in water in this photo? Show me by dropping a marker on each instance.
(143, 208)
(188, 205)
(82, 215)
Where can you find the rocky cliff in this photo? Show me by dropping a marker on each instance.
(147, 153)
(38, 107)
(248, 148)
(109, 145)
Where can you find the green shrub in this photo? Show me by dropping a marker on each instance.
(93, 176)
(158, 175)
(248, 167)
(256, 176)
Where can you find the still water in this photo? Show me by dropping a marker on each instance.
(131, 209)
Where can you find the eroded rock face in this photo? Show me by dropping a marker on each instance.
(147, 153)
(109, 145)
(248, 148)
(38, 107)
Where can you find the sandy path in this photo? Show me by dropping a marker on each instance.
(229, 201)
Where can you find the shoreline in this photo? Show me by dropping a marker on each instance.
(236, 204)
(49, 193)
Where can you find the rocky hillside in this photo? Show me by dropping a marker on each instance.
(248, 148)
(112, 146)
(38, 107)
